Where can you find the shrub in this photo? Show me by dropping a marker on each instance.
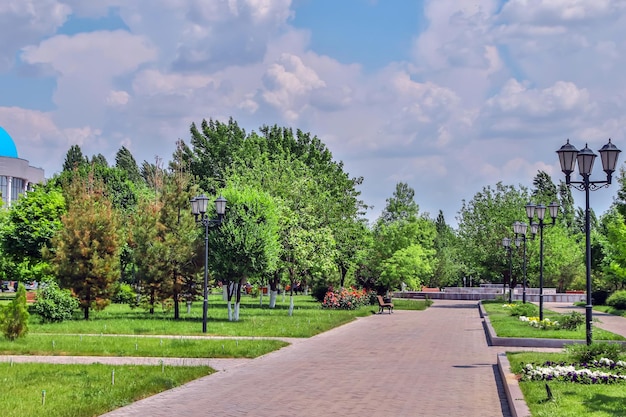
(595, 351)
(571, 321)
(617, 300)
(124, 294)
(319, 292)
(524, 309)
(14, 317)
(54, 305)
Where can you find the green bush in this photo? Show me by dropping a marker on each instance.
(53, 304)
(124, 294)
(571, 321)
(596, 351)
(14, 317)
(524, 309)
(617, 300)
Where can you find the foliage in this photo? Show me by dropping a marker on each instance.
(32, 222)
(74, 159)
(523, 309)
(571, 321)
(588, 353)
(617, 300)
(346, 299)
(400, 206)
(483, 222)
(14, 316)
(448, 264)
(54, 304)
(614, 250)
(124, 294)
(403, 245)
(125, 161)
(408, 265)
(85, 253)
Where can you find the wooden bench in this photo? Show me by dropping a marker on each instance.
(382, 305)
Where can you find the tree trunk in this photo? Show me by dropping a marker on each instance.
(237, 300)
(87, 304)
(176, 307)
(343, 271)
(273, 296)
(152, 301)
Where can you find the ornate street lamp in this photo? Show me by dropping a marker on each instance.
(199, 210)
(506, 243)
(568, 156)
(540, 210)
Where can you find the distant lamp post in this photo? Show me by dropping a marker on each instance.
(520, 230)
(568, 156)
(540, 210)
(506, 243)
(199, 210)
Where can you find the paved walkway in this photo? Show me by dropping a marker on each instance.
(428, 363)
(605, 321)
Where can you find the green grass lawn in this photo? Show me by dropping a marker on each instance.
(83, 390)
(569, 399)
(308, 319)
(75, 345)
(506, 325)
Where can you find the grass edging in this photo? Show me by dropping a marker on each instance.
(517, 403)
(494, 340)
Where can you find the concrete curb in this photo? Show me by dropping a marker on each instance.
(517, 404)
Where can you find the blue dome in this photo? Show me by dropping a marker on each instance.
(7, 146)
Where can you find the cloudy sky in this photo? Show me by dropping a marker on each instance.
(446, 95)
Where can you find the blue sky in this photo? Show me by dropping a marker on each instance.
(447, 95)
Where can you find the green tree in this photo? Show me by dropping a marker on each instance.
(483, 222)
(614, 262)
(149, 251)
(246, 244)
(74, 159)
(401, 206)
(14, 317)
(85, 252)
(448, 265)
(407, 266)
(544, 191)
(31, 224)
(125, 161)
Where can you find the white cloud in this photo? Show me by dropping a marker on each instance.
(23, 22)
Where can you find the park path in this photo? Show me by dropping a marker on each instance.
(410, 363)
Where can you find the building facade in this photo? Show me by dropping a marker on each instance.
(16, 174)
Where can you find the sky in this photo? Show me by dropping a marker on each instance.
(448, 96)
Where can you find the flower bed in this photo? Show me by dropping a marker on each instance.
(346, 299)
(603, 371)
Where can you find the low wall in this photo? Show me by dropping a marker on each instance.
(481, 294)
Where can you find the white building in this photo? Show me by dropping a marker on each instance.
(16, 175)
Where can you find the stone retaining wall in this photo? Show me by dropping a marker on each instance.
(483, 294)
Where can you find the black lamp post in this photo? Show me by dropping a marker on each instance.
(568, 156)
(520, 229)
(506, 243)
(199, 210)
(540, 210)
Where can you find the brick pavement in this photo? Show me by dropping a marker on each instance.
(429, 363)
